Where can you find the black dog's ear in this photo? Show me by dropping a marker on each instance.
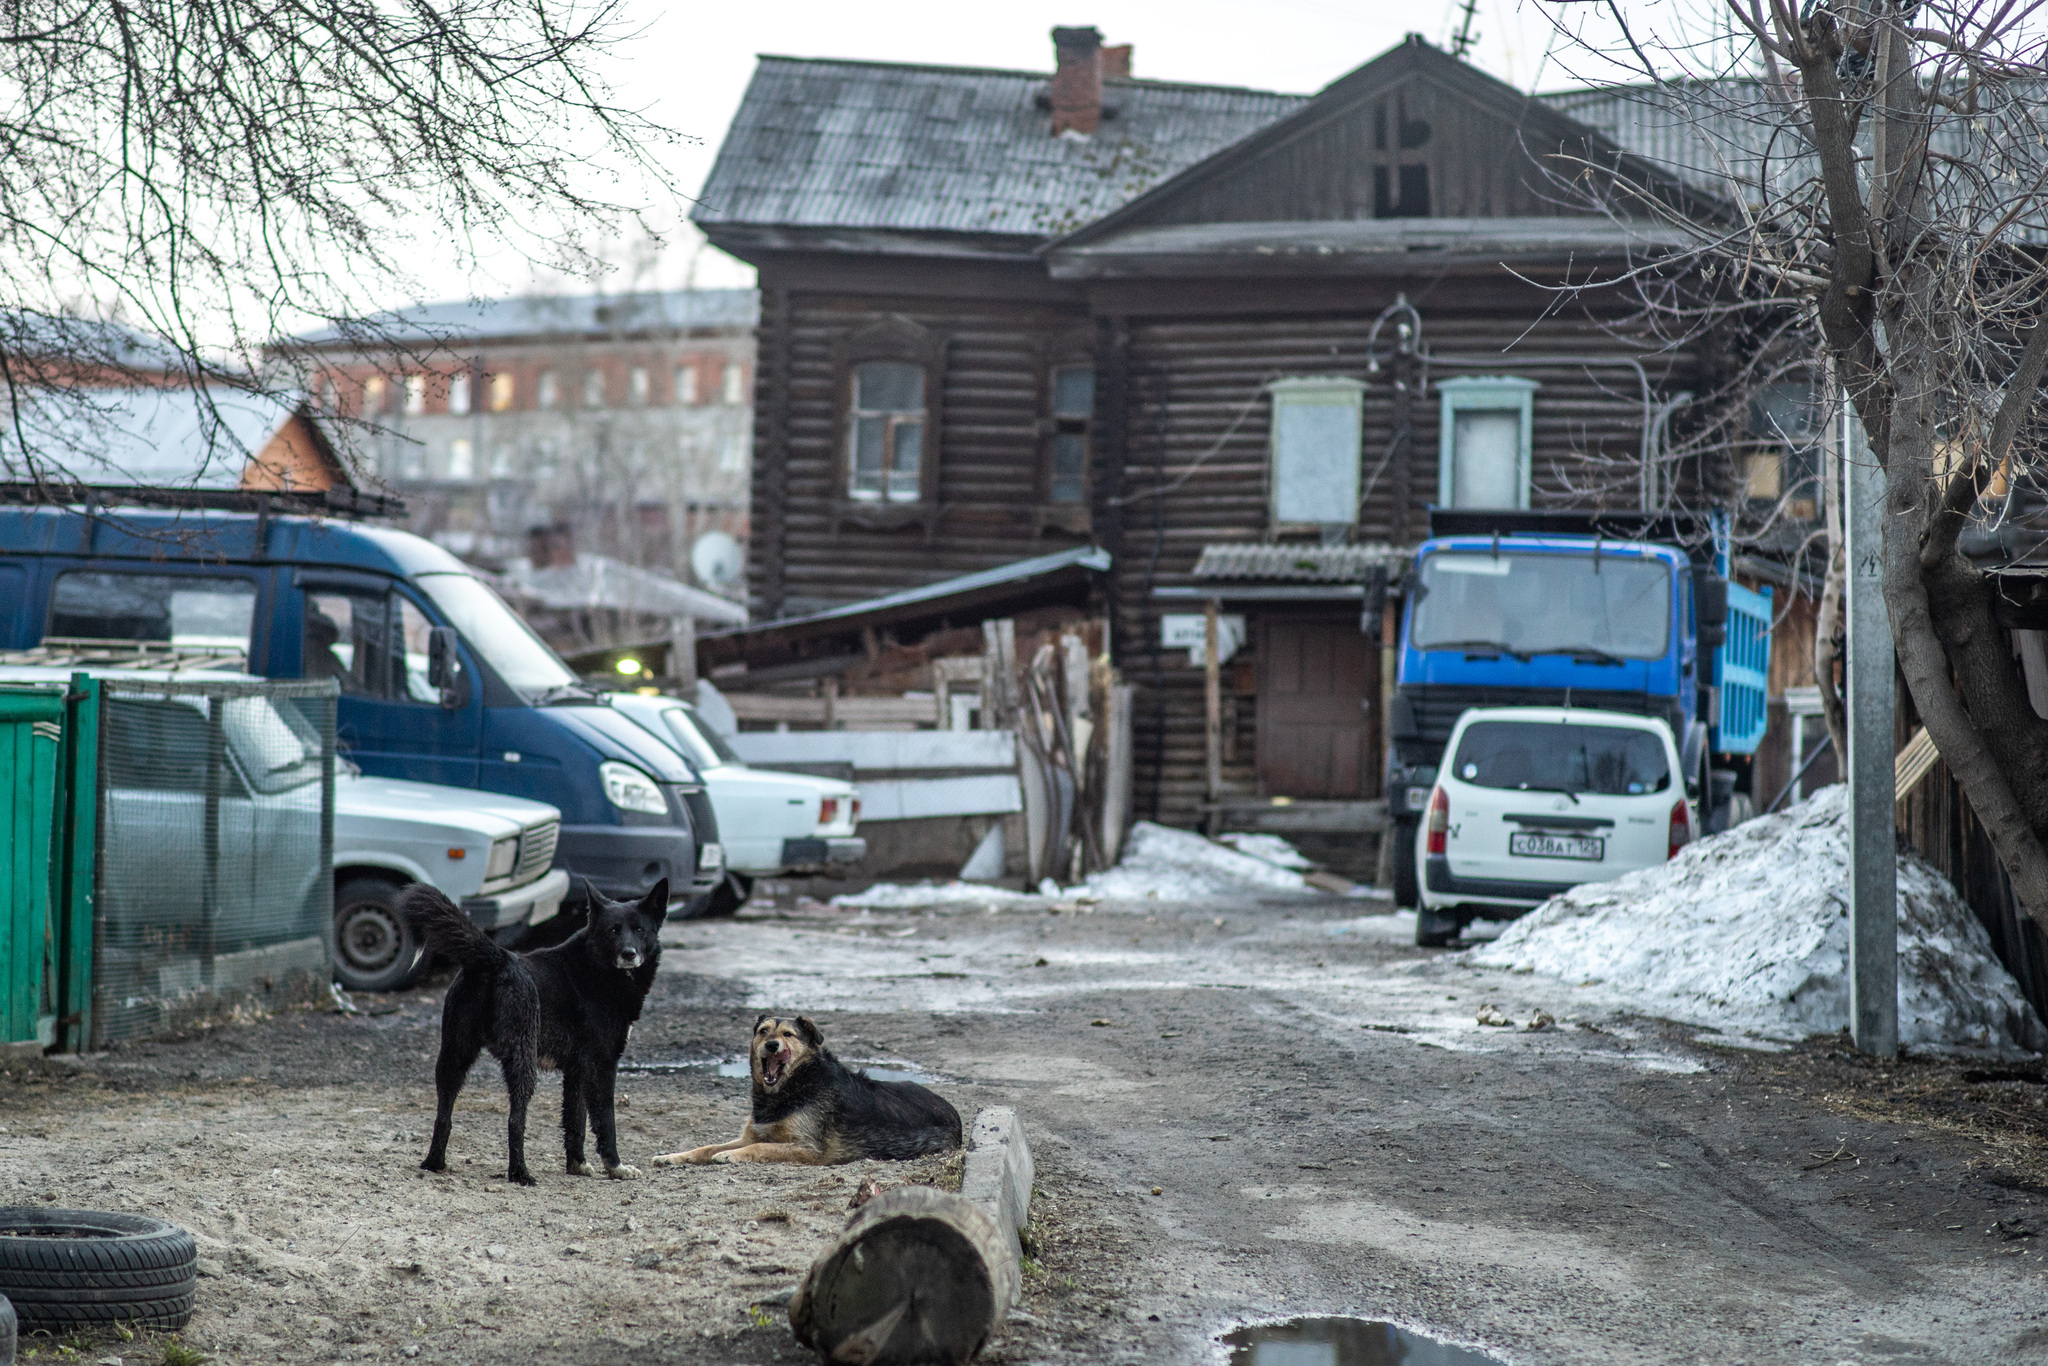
(764, 1015)
(810, 1032)
(655, 904)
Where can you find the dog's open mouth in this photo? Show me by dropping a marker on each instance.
(773, 1066)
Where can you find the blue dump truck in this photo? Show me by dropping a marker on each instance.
(1617, 611)
(440, 681)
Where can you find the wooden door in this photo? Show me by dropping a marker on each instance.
(1315, 733)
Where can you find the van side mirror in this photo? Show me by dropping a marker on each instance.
(444, 671)
(1710, 609)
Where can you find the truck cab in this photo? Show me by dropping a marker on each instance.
(440, 681)
(1524, 609)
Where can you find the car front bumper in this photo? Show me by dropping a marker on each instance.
(536, 901)
(623, 861)
(814, 854)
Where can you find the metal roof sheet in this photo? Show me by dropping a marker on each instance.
(1295, 563)
(872, 145)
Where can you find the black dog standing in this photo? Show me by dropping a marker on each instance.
(568, 1007)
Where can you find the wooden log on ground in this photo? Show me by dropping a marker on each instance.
(920, 1277)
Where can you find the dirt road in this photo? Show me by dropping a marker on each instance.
(1327, 1128)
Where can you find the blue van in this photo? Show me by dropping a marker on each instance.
(441, 682)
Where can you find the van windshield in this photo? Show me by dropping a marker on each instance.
(1530, 604)
(1545, 756)
(495, 631)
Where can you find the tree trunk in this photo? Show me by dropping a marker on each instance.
(918, 1277)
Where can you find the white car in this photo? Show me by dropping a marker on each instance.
(1530, 801)
(489, 853)
(772, 824)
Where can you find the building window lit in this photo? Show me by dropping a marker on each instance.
(461, 459)
(502, 392)
(373, 395)
(415, 393)
(458, 394)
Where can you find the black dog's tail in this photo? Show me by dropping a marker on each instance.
(447, 928)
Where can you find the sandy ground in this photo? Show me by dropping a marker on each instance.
(1239, 1113)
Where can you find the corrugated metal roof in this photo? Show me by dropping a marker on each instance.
(551, 315)
(870, 145)
(1295, 563)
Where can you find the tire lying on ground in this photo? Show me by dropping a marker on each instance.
(83, 1268)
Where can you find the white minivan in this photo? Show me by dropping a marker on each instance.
(1531, 801)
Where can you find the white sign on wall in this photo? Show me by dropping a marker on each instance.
(1190, 631)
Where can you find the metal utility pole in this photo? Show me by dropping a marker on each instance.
(1873, 866)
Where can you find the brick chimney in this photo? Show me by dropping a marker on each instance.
(1076, 80)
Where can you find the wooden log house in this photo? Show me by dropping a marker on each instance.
(1240, 340)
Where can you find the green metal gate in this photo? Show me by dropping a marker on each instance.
(49, 810)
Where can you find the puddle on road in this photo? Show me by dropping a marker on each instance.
(1345, 1342)
(878, 1069)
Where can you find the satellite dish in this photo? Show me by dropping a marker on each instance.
(716, 558)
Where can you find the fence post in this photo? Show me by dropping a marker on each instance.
(77, 878)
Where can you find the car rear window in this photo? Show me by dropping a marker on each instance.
(1541, 755)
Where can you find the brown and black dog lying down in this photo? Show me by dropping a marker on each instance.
(810, 1107)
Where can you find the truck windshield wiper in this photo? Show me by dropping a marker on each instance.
(1491, 647)
(1592, 652)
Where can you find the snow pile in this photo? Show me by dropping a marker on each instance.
(1159, 864)
(1270, 848)
(893, 896)
(1749, 930)
(1179, 865)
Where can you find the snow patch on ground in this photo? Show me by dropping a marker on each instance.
(1179, 865)
(1749, 930)
(1159, 864)
(1268, 848)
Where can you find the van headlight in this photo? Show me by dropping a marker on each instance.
(504, 858)
(627, 788)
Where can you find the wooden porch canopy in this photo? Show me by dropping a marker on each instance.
(825, 642)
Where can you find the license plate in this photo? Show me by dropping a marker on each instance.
(1591, 848)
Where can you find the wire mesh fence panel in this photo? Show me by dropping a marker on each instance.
(216, 836)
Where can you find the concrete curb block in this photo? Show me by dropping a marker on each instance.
(999, 1173)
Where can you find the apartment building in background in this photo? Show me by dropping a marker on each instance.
(534, 429)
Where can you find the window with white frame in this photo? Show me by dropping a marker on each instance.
(686, 385)
(1313, 470)
(415, 393)
(637, 386)
(886, 431)
(547, 391)
(458, 394)
(735, 383)
(593, 389)
(1485, 434)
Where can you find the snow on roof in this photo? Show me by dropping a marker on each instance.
(144, 435)
(551, 315)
